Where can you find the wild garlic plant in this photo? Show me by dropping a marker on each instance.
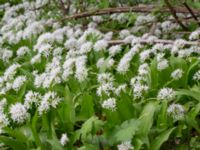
(65, 85)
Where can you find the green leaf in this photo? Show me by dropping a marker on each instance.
(125, 131)
(90, 127)
(67, 112)
(87, 106)
(14, 144)
(159, 140)
(190, 93)
(16, 133)
(146, 120)
(34, 130)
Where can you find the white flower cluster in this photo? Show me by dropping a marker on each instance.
(8, 80)
(64, 139)
(109, 104)
(125, 146)
(124, 63)
(177, 74)
(52, 74)
(196, 76)
(106, 84)
(166, 94)
(18, 113)
(176, 111)
(50, 99)
(139, 86)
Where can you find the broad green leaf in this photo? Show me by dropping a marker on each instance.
(146, 120)
(90, 127)
(160, 139)
(190, 93)
(125, 131)
(14, 144)
(35, 132)
(87, 105)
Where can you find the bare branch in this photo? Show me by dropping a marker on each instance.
(173, 11)
(143, 41)
(62, 6)
(142, 9)
(191, 12)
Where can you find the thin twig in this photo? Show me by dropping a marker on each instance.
(191, 12)
(62, 6)
(142, 9)
(144, 41)
(173, 12)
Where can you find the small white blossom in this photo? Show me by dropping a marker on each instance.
(177, 74)
(109, 104)
(18, 113)
(50, 99)
(166, 94)
(143, 69)
(106, 88)
(105, 78)
(162, 64)
(100, 45)
(196, 76)
(120, 88)
(113, 50)
(64, 139)
(31, 98)
(125, 146)
(18, 82)
(22, 51)
(176, 111)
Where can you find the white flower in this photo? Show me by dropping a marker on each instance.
(180, 43)
(36, 59)
(71, 43)
(177, 74)
(11, 71)
(81, 70)
(105, 78)
(124, 33)
(145, 55)
(139, 89)
(176, 111)
(18, 82)
(143, 69)
(49, 99)
(31, 98)
(124, 63)
(18, 113)
(194, 35)
(109, 104)
(166, 94)
(100, 45)
(64, 139)
(125, 146)
(100, 62)
(162, 64)
(85, 48)
(106, 88)
(57, 52)
(5, 55)
(97, 19)
(196, 76)
(22, 51)
(120, 88)
(113, 50)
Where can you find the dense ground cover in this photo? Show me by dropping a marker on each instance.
(120, 80)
